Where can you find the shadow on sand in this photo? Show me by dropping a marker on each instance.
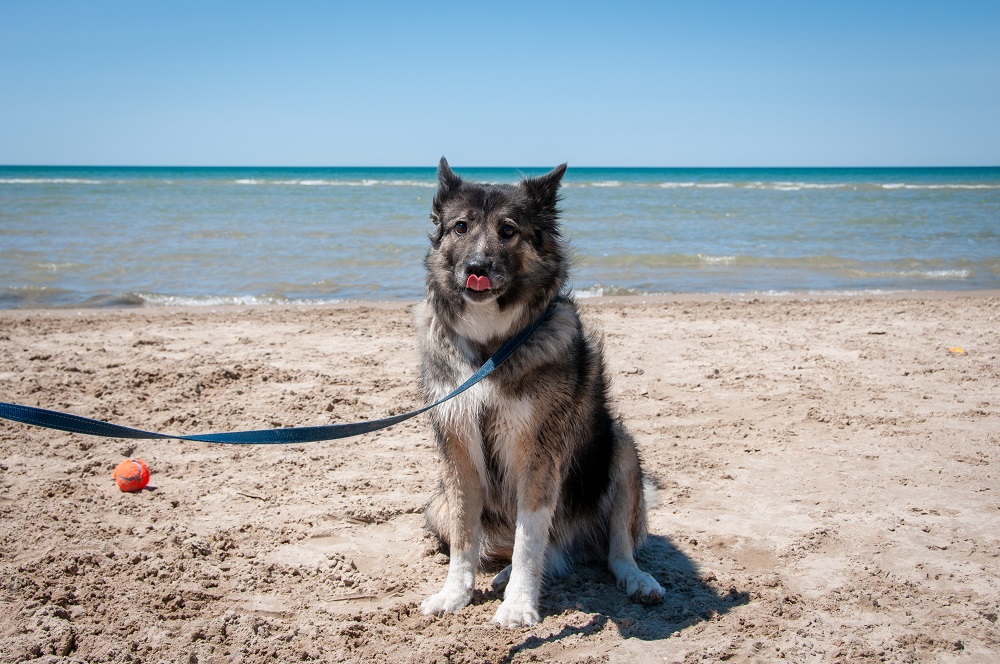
(590, 589)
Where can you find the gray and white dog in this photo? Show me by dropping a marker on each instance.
(537, 469)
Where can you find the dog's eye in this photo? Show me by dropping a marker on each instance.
(508, 230)
(461, 228)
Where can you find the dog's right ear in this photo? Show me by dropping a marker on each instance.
(447, 180)
(448, 183)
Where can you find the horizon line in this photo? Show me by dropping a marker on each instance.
(434, 167)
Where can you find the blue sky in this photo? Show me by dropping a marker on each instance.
(505, 83)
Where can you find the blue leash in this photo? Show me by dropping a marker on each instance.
(52, 419)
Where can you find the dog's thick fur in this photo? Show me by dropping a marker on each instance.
(536, 467)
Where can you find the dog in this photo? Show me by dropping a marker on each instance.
(537, 469)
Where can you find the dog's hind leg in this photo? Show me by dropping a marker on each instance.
(437, 517)
(557, 565)
(640, 586)
(627, 525)
(500, 581)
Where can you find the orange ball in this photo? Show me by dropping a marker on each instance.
(131, 475)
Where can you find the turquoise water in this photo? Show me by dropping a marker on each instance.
(80, 236)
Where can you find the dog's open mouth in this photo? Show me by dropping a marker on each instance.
(478, 284)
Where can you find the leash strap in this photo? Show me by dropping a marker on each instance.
(52, 419)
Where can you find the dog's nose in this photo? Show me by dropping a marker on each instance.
(479, 267)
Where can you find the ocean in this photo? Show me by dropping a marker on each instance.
(122, 237)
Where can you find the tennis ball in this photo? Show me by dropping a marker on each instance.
(131, 475)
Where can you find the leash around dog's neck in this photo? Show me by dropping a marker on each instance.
(74, 423)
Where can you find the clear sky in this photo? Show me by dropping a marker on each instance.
(506, 83)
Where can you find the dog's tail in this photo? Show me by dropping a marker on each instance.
(650, 491)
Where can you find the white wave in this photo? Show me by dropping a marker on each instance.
(56, 267)
(49, 181)
(337, 183)
(794, 186)
(162, 300)
(940, 274)
(852, 293)
(717, 260)
(951, 186)
(331, 183)
(411, 183)
(697, 185)
(800, 186)
(782, 185)
(598, 290)
(818, 185)
(921, 274)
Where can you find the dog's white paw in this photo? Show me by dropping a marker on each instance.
(499, 581)
(641, 587)
(517, 611)
(449, 599)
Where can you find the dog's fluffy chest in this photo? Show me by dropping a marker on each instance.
(497, 429)
(482, 323)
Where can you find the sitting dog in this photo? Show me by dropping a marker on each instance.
(537, 469)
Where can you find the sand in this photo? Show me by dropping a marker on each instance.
(829, 488)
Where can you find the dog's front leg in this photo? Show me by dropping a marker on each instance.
(536, 506)
(465, 507)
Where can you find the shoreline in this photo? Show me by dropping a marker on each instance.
(588, 301)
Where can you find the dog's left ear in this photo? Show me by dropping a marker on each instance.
(545, 189)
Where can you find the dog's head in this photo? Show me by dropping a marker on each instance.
(496, 242)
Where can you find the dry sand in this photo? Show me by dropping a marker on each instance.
(828, 468)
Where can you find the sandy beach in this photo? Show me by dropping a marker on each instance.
(829, 472)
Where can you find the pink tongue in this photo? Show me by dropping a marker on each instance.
(478, 283)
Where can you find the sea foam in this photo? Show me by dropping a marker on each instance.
(49, 181)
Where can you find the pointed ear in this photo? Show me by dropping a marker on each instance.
(545, 189)
(448, 183)
(447, 180)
